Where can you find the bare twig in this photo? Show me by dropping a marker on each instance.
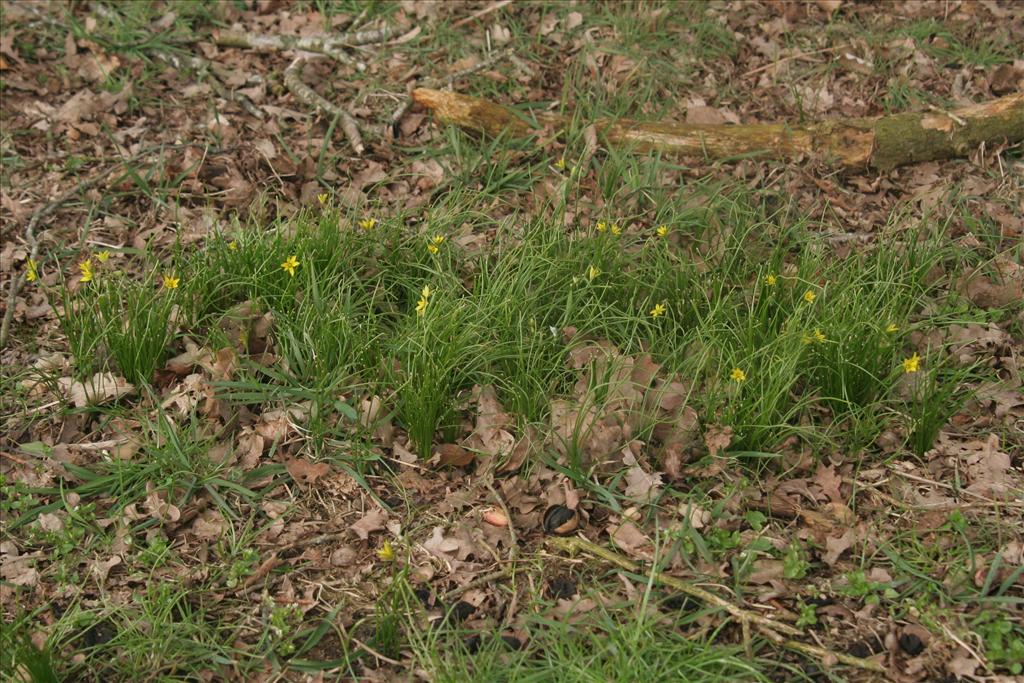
(482, 580)
(293, 80)
(769, 627)
(493, 7)
(209, 70)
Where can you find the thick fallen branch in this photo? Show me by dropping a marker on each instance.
(880, 143)
(775, 630)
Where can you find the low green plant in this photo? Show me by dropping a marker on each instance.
(137, 324)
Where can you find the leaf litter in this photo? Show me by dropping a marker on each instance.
(314, 518)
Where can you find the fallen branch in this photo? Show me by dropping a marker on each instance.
(881, 143)
(407, 102)
(332, 46)
(309, 97)
(775, 630)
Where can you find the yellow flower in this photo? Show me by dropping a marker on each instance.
(368, 223)
(659, 309)
(662, 231)
(322, 198)
(912, 364)
(592, 272)
(770, 280)
(738, 375)
(171, 282)
(893, 327)
(86, 268)
(386, 553)
(560, 164)
(616, 230)
(432, 248)
(810, 296)
(232, 245)
(103, 256)
(32, 273)
(426, 292)
(816, 337)
(290, 264)
(421, 305)
(435, 243)
(601, 227)
(437, 239)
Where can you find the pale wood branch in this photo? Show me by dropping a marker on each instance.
(880, 143)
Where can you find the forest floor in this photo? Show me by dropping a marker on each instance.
(465, 409)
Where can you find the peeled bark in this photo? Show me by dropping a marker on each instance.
(880, 143)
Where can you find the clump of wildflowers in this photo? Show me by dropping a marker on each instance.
(435, 243)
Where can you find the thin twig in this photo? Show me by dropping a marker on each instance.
(373, 652)
(799, 55)
(476, 583)
(293, 80)
(772, 629)
(493, 7)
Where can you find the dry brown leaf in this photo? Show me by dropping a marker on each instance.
(629, 537)
(829, 482)
(305, 472)
(453, 455)
(372, 521)
(101, 388)
(837, 545)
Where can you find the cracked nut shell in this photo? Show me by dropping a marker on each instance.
(560, 520)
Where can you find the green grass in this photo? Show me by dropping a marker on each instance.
(822, 374)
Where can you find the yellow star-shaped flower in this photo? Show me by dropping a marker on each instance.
(368, 223)
(810, 296)
(171, 282)
(738, 375)
(290, 264)
(662, 231)
(892, 328)
(32, 271)
(85, 267)
(386, 552)
(770, 280)
(658, 310)
(912, 364)
(593, 272)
